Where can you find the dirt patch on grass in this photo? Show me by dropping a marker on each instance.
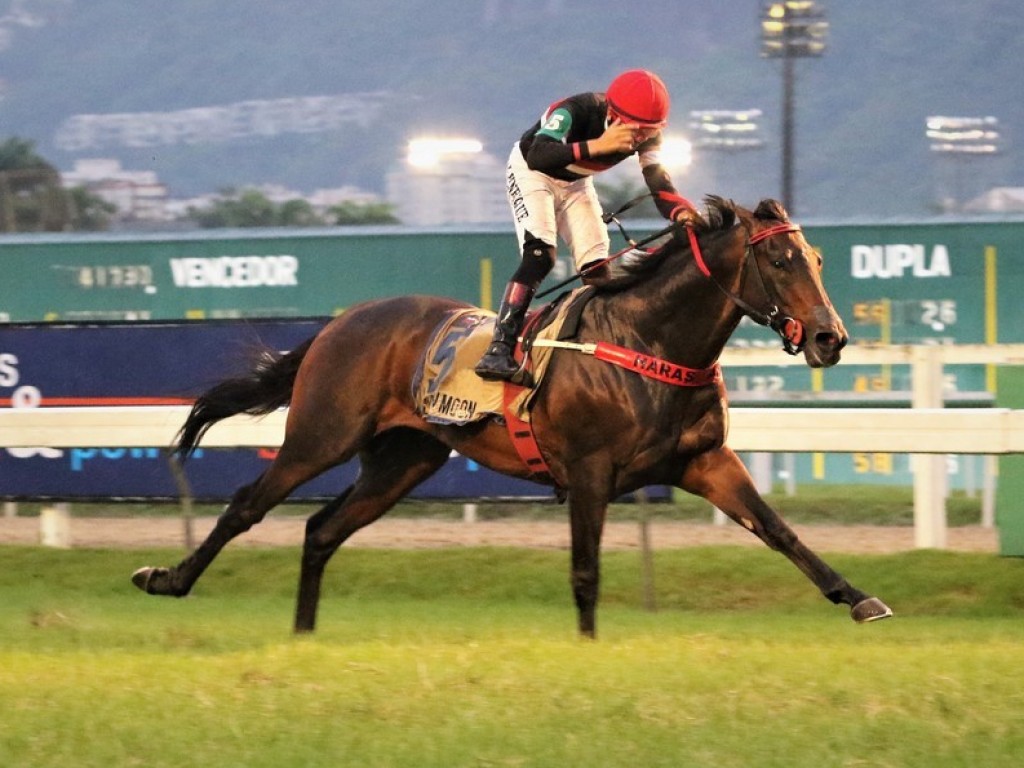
(405, 533)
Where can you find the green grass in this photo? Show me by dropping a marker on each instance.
(468, 657)
(847, 505)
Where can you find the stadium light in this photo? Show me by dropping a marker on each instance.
(726, 130)
(957, 142)
(963, 135)
(429, 152)
(676, 152)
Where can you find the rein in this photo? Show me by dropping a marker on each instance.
(598, 264)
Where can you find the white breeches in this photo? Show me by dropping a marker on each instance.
(547, 207)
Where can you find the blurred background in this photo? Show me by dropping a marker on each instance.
(165, 110)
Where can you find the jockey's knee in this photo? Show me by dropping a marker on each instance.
(535, 249)
(538, 259)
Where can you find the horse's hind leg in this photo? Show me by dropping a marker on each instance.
(588, 505)
(721, 478)
(393, 464)
(248, 506)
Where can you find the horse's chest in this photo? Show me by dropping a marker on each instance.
(667, 427)
(706, 433)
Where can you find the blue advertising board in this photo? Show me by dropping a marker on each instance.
(159, 364)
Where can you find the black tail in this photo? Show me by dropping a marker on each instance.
(267, 387)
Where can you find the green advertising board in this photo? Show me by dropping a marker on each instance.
(283, 273)
(936, 282)
(1010, 490)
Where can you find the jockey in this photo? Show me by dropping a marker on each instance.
(551, 190)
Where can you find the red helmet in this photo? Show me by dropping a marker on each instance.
(639, 96)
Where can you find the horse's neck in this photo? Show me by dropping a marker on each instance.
(682, 312)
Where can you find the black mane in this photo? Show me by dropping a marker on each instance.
(719, 215)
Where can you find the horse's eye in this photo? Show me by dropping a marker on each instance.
(778, 263)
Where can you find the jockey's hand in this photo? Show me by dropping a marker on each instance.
(617, 137)
(689, 217)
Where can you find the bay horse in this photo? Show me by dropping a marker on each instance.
(604, 431)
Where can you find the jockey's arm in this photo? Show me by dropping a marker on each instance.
(549, 153)
(669, 202)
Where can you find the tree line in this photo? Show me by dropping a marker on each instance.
(33, 199)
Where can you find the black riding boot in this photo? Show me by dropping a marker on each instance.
(498, 364)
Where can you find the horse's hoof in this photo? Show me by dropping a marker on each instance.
(870, 609)
(152, 581)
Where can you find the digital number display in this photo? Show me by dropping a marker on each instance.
(115, 276)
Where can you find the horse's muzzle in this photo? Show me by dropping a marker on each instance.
(827, 339)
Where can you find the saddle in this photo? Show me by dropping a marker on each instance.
(446, 390)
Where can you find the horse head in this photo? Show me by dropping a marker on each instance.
(760, 261)
(783, 286)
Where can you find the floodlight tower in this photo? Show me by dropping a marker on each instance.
(791, 29)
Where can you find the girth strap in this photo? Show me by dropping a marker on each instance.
(656, 368)
(521, 434)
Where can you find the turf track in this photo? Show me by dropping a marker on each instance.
(468, 658)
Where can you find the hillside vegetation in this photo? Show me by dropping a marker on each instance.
(489, 68)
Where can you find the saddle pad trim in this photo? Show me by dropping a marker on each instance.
(521, 434)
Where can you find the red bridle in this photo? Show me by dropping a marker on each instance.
(789, 329)
(778, 229)
(764, 234)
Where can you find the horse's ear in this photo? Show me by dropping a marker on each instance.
(721, 213)
(771, 210)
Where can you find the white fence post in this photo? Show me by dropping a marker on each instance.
(988, 491)
(929, 469)
(55, 526)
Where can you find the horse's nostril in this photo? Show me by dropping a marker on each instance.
(829, 340)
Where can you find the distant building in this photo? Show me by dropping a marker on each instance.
(998, 200)
(448, 181)
(137, 195)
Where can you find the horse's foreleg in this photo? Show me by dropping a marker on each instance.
(588, 505)
(392, 465)
(720, 477)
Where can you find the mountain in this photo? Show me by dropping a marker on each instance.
(394, 69)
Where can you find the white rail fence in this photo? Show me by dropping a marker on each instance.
(926, 430)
